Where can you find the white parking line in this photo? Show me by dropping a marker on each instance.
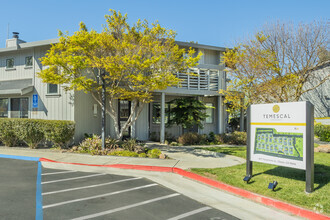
(60, 172)
(184, 215)
(91, 186)
(98, 196)
(73, 178)
(125, 207)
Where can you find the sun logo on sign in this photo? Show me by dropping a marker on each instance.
(276, 108)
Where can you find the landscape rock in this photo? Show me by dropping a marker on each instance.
(162, 156)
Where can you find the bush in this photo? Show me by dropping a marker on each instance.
(129, 144)
(154, 153)
(59, 132)
(191, 138)
(237, 138)
(323, 132)
(92, 145)
(33, 131)
(8, 132)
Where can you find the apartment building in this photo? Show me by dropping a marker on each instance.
(24, 95)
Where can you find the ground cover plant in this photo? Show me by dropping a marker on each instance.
(113, 147)
(291, 187)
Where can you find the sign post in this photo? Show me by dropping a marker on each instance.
(282, 134)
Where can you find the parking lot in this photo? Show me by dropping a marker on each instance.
(81, 195)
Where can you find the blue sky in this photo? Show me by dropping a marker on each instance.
(218, 23)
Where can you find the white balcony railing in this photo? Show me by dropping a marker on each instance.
(200, 79)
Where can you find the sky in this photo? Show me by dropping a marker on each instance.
(213, 22)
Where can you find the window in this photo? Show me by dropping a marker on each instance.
(209, 112)
(3, 108)
(10, 63)
(28, 61)
(156, 112)
(52, 88)
(19, 107)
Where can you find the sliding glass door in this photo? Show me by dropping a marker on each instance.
(4, 107)
(19, 107)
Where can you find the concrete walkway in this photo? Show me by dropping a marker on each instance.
(182, 157)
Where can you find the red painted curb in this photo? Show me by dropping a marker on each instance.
(238, 191)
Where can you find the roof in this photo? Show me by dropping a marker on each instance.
(56, 40)
(16, 87)
(30, 45)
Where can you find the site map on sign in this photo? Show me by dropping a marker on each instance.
(279, 144)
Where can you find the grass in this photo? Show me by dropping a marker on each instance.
(235, 151)
(291, 187)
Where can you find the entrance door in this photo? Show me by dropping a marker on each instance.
(124, 111)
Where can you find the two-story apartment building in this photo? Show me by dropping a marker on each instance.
(24, 95)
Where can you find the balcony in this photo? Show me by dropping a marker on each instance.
(200, 79)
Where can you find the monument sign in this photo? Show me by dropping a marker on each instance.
(282, 134)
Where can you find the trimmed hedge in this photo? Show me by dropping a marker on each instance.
(34, 131)
(322, 131)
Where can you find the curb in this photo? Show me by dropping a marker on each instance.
(234, 190)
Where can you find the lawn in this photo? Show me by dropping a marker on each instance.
(291, 182)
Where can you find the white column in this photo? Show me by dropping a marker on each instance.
(220, 113)
(162, 118)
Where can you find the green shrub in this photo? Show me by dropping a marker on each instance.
(124, 153)
(239, 137)
(8, 132)
(192, 138)
(111, 143)
(154, 153)
(129, 144)
(59, 132)
(31, 131)
(91, 145)
(219, 138)
(322, 131)
(143, 155)
(211, 137)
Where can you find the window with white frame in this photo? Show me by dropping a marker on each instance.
(210, 113)
(28, 61)
(10, 62)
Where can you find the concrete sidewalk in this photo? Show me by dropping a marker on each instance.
(182, 157)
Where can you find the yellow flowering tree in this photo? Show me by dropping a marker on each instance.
(131, 60)
(275, 66)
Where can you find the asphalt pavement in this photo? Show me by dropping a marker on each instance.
(168, 194)
(85, 195)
